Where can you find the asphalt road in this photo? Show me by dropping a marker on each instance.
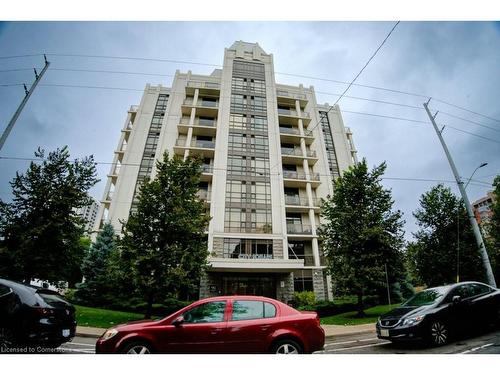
(368, 343)
(486, 343)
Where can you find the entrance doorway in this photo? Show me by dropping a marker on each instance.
(249, 285)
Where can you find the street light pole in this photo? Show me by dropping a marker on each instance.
(458, 220)
(470, 214)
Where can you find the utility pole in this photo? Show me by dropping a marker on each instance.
(470, 214)
(387, 283)
(13, 120)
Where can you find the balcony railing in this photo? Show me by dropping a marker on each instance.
(203, 144)
(294, 175)
(289, 130)
(298, 228)
(291, 151)
(295, 200)
(206, 168)
(198, 121)
(202, 103)
(286, 94)
(203, 194)
(197, 143)
(292, 112)
(203, 84)
(298, 152)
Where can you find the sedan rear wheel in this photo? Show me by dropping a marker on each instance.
(137, 348)
(286, 347)
(6, 338)
(439, 333)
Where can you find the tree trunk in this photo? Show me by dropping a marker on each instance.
(149, 307)
(361, 312)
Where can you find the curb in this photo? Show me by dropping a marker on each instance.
(343, 334)
(91, 335)
(350, 333)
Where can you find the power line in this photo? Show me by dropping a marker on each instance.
(465, 109)
(467, 120)
(278, 73)
(343, 111)
(133, 58)
(13, 158)
(357, 75)
(18, 56)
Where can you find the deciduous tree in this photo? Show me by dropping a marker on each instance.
(164, 241)
(40, 230)
(362, 233)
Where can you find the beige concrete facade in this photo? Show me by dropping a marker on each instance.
(270, 152)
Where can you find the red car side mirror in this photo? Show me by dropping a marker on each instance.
(178, 321)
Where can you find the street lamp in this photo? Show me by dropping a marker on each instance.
(458, 219)
(475, 170)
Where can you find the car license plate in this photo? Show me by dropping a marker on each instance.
(384, 332)
(65, 332)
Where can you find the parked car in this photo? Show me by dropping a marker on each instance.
(34, 316)
(436, 315)
(233, 324)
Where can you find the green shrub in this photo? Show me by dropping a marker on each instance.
(304, 298)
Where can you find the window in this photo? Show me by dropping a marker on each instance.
(211, 312)
(246, 310)
(4, 291)
(269, 310)
(479, 289)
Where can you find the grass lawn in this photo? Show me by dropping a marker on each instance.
(348, 319)
(93, 317)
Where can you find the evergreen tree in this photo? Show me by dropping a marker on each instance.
(164, 244)
(40, 230)
(444, 225)
(362, 233)
(96, 287)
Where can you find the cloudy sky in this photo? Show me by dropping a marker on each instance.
(457, 63)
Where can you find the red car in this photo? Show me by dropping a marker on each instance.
(232, 324)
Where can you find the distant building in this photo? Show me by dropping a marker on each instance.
(483, 209)
(89, 214)
(269, 152)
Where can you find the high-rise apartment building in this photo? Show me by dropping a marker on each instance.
(483, 210)
(89, 214)
(269, 154)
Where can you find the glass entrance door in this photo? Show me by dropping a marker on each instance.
(249, 285)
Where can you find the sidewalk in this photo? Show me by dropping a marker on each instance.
(330, 330)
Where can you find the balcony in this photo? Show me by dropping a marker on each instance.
(203, 107)
(295, 156)
(300, 229)
(204, 87)
(207, 171)
(204, 195)
(200, 126)
(292, 135)
(197, 147)
(292, 116)
(288, 98)
(295, 203)
(299, 180)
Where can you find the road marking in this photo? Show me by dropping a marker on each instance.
(350, 342)
(477, 348)
(77, 343)
(356, 347)
(86, 351)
